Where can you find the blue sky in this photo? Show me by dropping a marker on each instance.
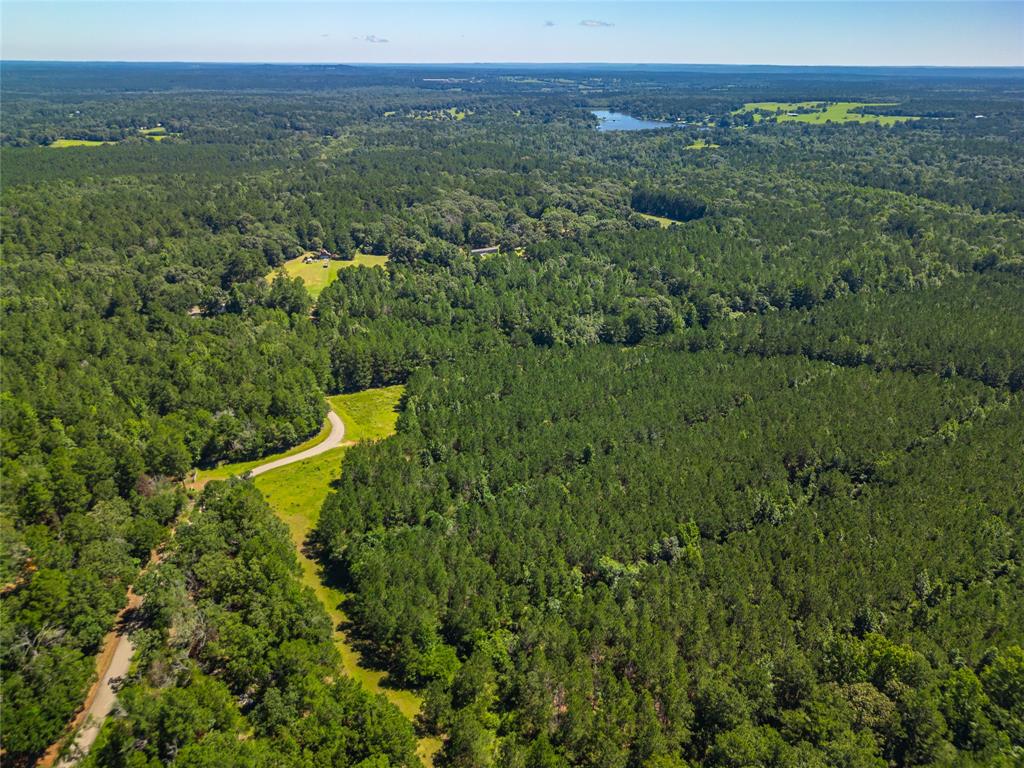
(841, 32)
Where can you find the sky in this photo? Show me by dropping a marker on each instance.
(801, 32)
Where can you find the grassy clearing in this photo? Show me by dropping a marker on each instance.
(62, 143)
(662, 221)
(702, 144)
(157, 134)
(821, 112)
(153, 134)
(370, 414)
(317, 277)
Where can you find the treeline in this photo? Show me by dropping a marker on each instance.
(643, 557)
(237, 665)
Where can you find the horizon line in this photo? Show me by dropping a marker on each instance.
(505, 64)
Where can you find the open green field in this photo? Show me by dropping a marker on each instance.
(317, 277)
(701, 144)
(824, 112)
(62, 143)
(663, 222)
(370, 414)
(156, 134)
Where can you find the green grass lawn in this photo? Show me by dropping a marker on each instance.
(370, 414)
(701, 144)
(62, 143)
(824, 112)
(317, 277)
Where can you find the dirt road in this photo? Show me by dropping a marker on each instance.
(114, 661)
(333, 440)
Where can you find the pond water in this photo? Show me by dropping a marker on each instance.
(619, 121)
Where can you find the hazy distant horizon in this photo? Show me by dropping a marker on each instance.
(844, 33)
(669, 65)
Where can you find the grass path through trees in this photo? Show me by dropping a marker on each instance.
(296, 489)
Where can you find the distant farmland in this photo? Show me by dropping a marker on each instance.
(63, 143)
(820, 112)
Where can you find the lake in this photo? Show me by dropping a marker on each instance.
(619, 121)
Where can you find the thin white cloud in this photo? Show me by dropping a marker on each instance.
(372, 39)
(595, 23)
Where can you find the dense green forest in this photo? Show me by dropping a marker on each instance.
(739, 487)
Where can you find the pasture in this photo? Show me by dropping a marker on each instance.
(159, 133)
(820, 112)
(701, 144)
(64, 143)
(154, 134)
(317, 277)
(370, 414)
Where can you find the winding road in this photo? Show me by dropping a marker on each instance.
(114, 661)
(333, 440)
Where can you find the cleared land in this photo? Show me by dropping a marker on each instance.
(317, 277)
(820, 112)
(663, 222)
(701, 144)
(156, 134)
(63, 143)
(370, 414)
